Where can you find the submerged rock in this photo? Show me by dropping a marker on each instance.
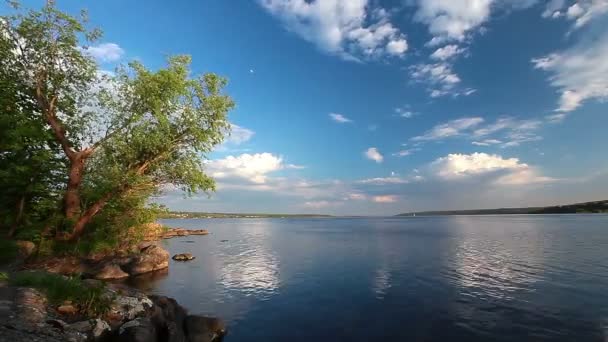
(183, 257)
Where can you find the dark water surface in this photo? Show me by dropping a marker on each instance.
(483, 278)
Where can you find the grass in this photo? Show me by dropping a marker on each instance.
(3, 276)
(91, 301)
(8, 251)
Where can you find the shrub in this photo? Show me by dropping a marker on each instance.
(91, 300)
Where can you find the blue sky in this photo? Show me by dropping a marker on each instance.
(380, 107)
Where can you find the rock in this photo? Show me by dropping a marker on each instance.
(67, 309)
(111, 271)
(138, 330)
(150, 259)
(92, 283)
(95, 329)
(183, 257)
(25, 248)
(130, 307)
(204, 329)
(58, 324)
(168, 317)
(64, 265)
(173, 232)
(30, 305)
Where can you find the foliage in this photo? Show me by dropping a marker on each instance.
(86, 149)
(8, 251)
(91, 300)
(3, 276)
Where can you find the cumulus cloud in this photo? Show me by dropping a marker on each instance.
(509, 171)
(106, 52)
(352, 29)
(339, 118)
(581, 12)
(251, 167)
(372, 153)
(580, 73)
(449, 129)
(454, 20)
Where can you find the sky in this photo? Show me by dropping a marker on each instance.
(365, 107)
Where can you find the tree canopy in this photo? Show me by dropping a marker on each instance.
(84, 148)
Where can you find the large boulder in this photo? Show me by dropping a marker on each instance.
(137, 330)
(110, 271)
(130, 307)
(204, 329)
(151, 258)
(168, 318)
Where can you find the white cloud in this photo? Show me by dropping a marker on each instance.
(487, 142)
(250, 167)
(385, 199)
(508, 171)
(356, 196)
(352, 29)
(406, 152)
(372, 153)
(239, 135)
(383, 181)
(581, 12)
(106, 52)
(440, 77)
(405, 112)
(510, 131)
(454, 20)
(447, 52)
(580, 73)
(321, 204)
(339, 118)
(449, 129)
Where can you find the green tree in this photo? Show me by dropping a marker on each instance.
(122, 135)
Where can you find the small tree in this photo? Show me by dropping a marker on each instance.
(131, 132)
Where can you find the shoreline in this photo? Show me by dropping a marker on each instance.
(30, 313)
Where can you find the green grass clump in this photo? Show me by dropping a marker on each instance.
(91, 301)
(3, 276)
(8, 251)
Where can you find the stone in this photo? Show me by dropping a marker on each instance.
(168, 318)
(111, 271)
(58, 324)
(150, 259)
(204, 329)
(137, 330)
(30, 304)
(130, 307)
(67, 309)
(94, 328)
(183, 257)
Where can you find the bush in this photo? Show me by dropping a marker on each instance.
(91, 301)
(8, 251)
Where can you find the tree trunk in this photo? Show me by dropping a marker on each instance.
(79, 226)
(71, 199)
(20, 208)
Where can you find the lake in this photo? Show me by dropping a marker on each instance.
(461, 278)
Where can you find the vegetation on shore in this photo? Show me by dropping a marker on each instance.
(90, 300)
(577, 208)
(83, 150)
(190, 214)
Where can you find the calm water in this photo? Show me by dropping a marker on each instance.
(491, 278)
